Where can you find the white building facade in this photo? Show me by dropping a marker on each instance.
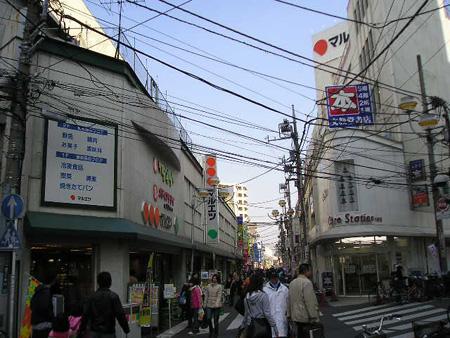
(367, 190)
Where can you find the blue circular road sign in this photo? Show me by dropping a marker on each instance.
(12, 206)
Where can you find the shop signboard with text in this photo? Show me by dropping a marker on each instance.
(330, 44)
(80, 163)
(349, 106)
(419, 196)
(212, 202)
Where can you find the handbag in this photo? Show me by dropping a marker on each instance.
(259, 327)
(313, 330)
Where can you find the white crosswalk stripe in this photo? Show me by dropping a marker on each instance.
(395, 328)
(236, 322)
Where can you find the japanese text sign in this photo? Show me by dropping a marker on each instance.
(349, 106)
(212, 217)
(80, 163)
(330, 43)
(417, 170)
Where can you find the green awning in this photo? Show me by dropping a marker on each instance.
(52, 224)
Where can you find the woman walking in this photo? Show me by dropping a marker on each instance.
(213, 301)
(196, 304)
(258, 321)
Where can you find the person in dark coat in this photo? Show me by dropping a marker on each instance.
(102, 309)
(42, 308)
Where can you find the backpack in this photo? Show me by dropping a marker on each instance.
(182, 300)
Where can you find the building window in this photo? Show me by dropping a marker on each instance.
(347, 196)
(355, 15)
(370, 44)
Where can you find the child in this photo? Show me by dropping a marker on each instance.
(60, 327)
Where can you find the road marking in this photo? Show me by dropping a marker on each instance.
(380, 311)
(414, 316)
(401, 312)
(409, 325)
(236, 322)
(361, 309)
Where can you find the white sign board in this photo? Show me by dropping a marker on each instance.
(80, 164)
(330, 44)
(169, 291)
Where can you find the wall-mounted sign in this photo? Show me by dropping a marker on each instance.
(210, 171)
(442, 207)
(417, 170)
(152, 216)
(349, 106)
(162, 169)
(167, 198)
(354, 219)
(212, 218)
(80, 164)
(330, 44)
(419, 196)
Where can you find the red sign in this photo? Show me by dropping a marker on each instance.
(342, 101)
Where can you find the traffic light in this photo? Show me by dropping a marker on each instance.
(211, 179)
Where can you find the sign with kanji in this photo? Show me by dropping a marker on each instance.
(330, 43)
(80, 163)
(349, 106)
(417, 170)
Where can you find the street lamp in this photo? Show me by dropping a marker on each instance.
(428, 122)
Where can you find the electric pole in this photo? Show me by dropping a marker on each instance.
(300, 192)
(16, 144)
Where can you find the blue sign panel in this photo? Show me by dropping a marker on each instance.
(417, 170)
(12, 206)
(349, 106)
(10, 239)
(240, 220)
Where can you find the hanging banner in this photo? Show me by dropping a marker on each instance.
(145, 319)
(349, 106)
(442, 208)
(25, 327)
(212, 218)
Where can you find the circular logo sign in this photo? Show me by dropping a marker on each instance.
(151, 215)
(145, 211)
(320, 47)
(212, 233)
(442, 203)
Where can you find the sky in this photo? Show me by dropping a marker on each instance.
(268, 20)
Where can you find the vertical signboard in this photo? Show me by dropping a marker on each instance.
(417, 170)
(212, 203)
(80, 164)
(349, 106)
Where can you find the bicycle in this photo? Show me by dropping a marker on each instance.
(435, 329)
(376, 331)
(380, 295)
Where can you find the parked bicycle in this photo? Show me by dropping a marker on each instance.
(376, 331)
(434, 329)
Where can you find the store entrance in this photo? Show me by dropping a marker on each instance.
(358, 274)
(73, 269)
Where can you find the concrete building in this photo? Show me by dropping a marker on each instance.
(106, 183)
(367, 190)
(239, 200)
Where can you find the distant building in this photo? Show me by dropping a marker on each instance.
(239, 199)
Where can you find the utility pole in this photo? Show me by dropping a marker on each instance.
(16, 144)
(300, 192)
(290, 228)
(433, 172)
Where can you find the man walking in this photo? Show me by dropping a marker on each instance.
(278, 299)
(303, 308)
(102, 310)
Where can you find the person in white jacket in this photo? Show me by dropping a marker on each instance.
(278, 297)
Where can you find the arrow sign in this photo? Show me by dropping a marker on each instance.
(12, 206)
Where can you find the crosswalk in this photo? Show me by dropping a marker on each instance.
(398, 327)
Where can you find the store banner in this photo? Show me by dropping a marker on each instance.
(417, 170)
(212, 217)
(25, 327)
(349, 106)
(80, 163)
(419, 196)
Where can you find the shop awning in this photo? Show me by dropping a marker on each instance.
(51, 224)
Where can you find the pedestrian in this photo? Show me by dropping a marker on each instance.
(258, 321)
(278, 298)
(185, 303)
(235, 288)
(303, 309)
(196, 304)
(227, 289)
(102, 309)
(213, 302)
(42, 307)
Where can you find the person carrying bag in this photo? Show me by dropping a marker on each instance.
(258, 320)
